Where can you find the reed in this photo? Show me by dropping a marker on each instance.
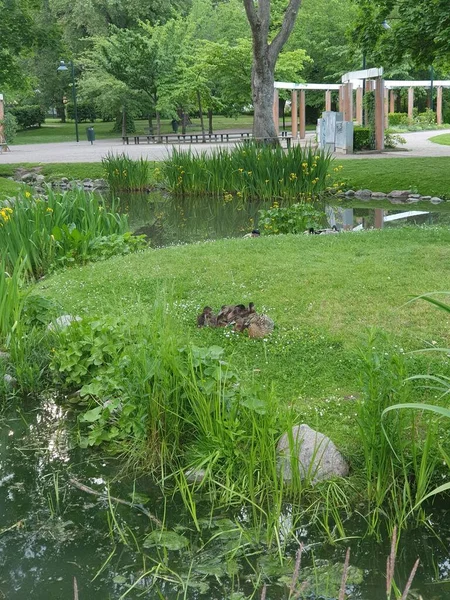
(250, 172)
(125, 174)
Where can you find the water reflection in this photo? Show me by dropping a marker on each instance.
(167, 220)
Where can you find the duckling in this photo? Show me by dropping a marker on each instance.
(222, 317)
(259, 326)
(207, 318)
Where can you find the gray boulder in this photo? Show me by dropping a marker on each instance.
(313, 452)
(62, 322)
(400, 193)
(9, 381)
(378, 195)
(363, 194)
(435, 200)
(4, 356)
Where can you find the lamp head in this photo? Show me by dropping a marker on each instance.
(62, 66)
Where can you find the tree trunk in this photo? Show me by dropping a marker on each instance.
(282, 106)
(184, 120)
(200, 111)
(150, 124)
(158, 123)
(124, 121)
(210, 121)
(262, 94)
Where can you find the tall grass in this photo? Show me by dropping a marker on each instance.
(11, 296)
(250, 172)
(125, 174)
(46, 229)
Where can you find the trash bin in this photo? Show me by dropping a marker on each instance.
(90, 134)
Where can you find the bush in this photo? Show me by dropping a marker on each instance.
(28, 116)
(398, 119)
(85, 112)
(426, 118)
(296, 218)
(10, 127)
(363, 138)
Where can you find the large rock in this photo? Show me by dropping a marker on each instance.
(314, 453)
(62, 322)
(400, 194)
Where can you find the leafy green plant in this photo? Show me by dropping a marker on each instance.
(296, 218)
(362, 138)
(249, 171)
(126, 174)
(10, 126)
(11, 296)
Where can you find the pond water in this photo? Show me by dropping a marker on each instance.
(168, 220)
(58, 541)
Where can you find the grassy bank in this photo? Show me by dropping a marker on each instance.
(322, 292)
(443, 139)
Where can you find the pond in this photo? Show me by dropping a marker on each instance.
(169, 220)
(60, 540)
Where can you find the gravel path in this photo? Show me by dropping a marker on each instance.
(417, 145)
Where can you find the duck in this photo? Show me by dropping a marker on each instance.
(207, 318)
(258, 325)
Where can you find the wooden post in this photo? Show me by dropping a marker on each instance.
(386, 108)
(348, 101)
(341, 99)
(392, 101)
(359, 105)
(328, 100)
(410, 102)
(379, 113)
(294, 113)
(2, 115)
(379, 218)
(302, 115)
(439, 106)
(276, 111)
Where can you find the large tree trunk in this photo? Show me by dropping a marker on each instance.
(265, 56)
(210, 121)
(200, 111)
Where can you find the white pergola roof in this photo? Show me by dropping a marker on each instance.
(282, 85)
(392, 83)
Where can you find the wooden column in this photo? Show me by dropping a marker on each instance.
(347, 94)
(379, 113)
(386, 108)
(410, 102)
(392, 101)
(359, 105)
(294, 113)
(341, 99)
(379, 218)
(328, 100)
(302, 115)
(276, 111)
(2, 115)
(439, 106)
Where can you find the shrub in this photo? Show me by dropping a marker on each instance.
(362, 138)
(398, 119)
(85, 112)
(426, 118)
(28, 116)
(10, 127)
(296, 218)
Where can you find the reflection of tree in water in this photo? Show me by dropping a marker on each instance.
(167, 220)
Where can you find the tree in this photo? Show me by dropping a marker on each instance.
(265, 54)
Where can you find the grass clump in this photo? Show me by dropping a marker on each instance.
(60, 229)
(249, 171)
(126, 174)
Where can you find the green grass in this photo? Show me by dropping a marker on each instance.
(427, 176)
(443, 139)
(322, 292)
(8, 188)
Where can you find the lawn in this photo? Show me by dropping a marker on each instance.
(443, 139)
(323, 292)
(427, 176)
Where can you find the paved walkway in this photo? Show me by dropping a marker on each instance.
(417, 146)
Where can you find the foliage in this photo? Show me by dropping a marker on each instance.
(125, 174)
(392, 141)
(11, 297)
(85, 111)
(28, 116)
(296, 218)
(362, 138)
(250, 172)
(10, 126)
(61, 228)
(398, 119)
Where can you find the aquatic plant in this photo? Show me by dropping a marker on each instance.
(125, 174)
(56, 227)
(249, 172)
(11, 295)
(295, 218)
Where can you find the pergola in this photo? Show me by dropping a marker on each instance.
(355, 81)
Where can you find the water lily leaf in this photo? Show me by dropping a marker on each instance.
(166, 539)
(119, 579)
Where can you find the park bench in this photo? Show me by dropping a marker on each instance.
(188, 138)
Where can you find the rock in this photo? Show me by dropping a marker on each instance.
(62, 322)
(413, 198)
(350, 193)
(316, 455)
(39, 179)
(28, 177)
(363, 194)
(400, 193)
(4, 356)
(378, 195)
(195, 475)
(99, 183)
(9, 381)
(435, 200)
(88, 183)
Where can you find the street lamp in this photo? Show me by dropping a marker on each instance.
(63, 67)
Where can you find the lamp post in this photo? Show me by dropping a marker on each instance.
(63, 67)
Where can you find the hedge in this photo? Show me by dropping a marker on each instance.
(362, 138)
(28, 116)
